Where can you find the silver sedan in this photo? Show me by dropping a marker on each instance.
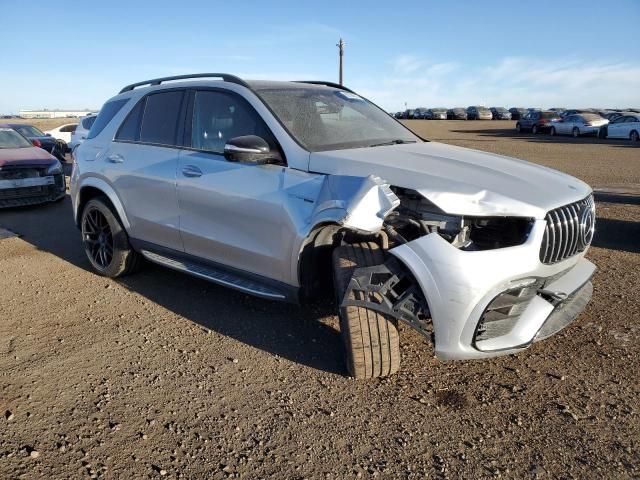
(577, 125)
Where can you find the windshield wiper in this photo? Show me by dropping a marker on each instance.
(397, 141)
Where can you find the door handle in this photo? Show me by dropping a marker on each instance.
(115, 158)
(191, 171)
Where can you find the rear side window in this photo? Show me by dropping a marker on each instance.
(160, 118)
(130, 129)
(106, 114)
(87, 123)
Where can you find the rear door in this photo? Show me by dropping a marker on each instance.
(142, 163)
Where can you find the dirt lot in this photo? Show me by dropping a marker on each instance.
(161, 374)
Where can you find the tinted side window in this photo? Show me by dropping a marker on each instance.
(160, 119)
(130, 129)
(218, 117)
(107, 112)
(88, 122)
(68, 128)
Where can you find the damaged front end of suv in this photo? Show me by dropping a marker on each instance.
(479, 286)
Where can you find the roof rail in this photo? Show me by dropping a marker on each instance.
(327, 84)
(157, 81)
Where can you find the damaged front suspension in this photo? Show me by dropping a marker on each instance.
(391, 290)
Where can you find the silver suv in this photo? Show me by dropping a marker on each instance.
(293, 190)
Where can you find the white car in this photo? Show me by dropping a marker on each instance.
(626, 126)
(63, 132)
(578, 124)
(79, 135)
(295, 190)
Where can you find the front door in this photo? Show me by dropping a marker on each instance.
(235, 214)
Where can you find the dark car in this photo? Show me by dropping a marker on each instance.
(39, 139)
(28, 174)
(613, 115)
(500, 113)
(456, 114)
(419, 113)
(575, 111)
(536, 121)
(436, 114)
(477, 112)
(517, 112)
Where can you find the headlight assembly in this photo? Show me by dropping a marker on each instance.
(55, 168)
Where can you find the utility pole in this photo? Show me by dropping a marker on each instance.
(340, 46)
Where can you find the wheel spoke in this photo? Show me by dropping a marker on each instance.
(98, 239)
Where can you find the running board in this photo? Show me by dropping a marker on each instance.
(214, 275)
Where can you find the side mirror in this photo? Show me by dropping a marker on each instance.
(48, 134)
(250, 149)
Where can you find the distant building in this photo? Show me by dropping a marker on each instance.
(55, 113)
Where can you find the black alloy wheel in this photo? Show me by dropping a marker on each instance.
(97, 238)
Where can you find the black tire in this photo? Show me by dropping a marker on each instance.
(106, 242)
(552, 131)
(534, 129)
(602, 132)
(634, 136)
(371, 340)
(575, 132)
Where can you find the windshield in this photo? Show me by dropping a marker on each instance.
(9, 138)
(29, 131)
(321, 118)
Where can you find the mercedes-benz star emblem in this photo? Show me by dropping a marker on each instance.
(587, 226)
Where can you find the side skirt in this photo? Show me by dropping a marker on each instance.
(243, 281)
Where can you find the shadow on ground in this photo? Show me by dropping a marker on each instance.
(289, 331)
(617, 235)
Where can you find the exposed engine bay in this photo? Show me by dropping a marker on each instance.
(416, 216)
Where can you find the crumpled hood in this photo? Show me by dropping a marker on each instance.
(25, 156)
(459, 180)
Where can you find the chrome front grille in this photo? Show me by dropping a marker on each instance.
(569, 230)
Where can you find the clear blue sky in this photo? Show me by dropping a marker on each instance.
(69, 54)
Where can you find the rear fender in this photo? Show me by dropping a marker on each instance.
(108, 191)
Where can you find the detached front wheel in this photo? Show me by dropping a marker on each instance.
(371, 340)
(105, 241)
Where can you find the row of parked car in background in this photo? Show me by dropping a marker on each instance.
(604, 123)
(583, 122)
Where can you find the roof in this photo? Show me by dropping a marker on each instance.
(273, 84)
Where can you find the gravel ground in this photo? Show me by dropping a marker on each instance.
(160, 374)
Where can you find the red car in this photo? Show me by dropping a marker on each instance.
(28, 175)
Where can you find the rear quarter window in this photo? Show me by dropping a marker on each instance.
(108, 111)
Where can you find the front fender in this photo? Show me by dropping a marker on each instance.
(342, 201)
(360, 203)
